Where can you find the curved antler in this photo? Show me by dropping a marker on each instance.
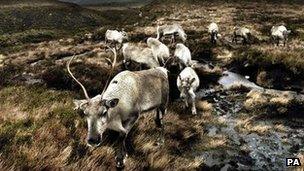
(83, 88)
(112, 69)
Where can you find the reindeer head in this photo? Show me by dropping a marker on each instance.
(286, 33)
(95, 110)
(215, 35)
(185, 87)
(179, 46)
(125, 35)
(183, 36)
(153, 42)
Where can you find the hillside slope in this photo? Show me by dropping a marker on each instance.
(26, 21)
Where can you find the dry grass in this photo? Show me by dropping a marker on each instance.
(52, 135)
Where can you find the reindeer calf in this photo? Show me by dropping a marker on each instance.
(243, 33)
(279, 33)
(140, 55)
(187, 83)
(174, 30)
(114, 36)
(160, 51)
(183, 54)
(214, 32)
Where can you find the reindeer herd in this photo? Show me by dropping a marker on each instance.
(131, 93)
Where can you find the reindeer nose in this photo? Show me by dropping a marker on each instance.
(94, 140)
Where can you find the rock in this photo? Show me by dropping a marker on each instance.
(212, 131)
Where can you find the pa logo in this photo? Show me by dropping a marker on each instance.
(293, 162)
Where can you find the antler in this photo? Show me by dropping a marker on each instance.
(83, 88)
(112, 69)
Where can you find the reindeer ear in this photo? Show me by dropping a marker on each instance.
(111, 103)
(179, 77)
(80, 104)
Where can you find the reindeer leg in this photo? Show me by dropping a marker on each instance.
(186, 104)
(211, 39)
(278, 42)
(125, 64)
(244, 41)
(180, 65)
(159, 123)
(121, 150)
(193, 109)
(172, 39)
(158, 119)
(162, 61)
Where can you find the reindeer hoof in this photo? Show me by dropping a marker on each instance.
(120, 163)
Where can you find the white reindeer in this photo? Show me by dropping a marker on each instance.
(279, 33)
(143, 56)
(127, 96)
(114, 36)
(174, 30)
(159, 50)
(243, 33)
(214, 32)
(183, 54)
(187, 83)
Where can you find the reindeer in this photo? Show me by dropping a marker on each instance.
(243, 33)
(214, 32)
(174, 30)
(119, 105)
(187, 83)
(160, 51)
(279, 33)
(114, 36)
(143, 56)
(183, 54)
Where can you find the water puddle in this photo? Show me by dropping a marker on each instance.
(230, 80)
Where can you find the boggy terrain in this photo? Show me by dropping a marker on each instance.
(239, 127)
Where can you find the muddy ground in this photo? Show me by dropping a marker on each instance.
(242, 127)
